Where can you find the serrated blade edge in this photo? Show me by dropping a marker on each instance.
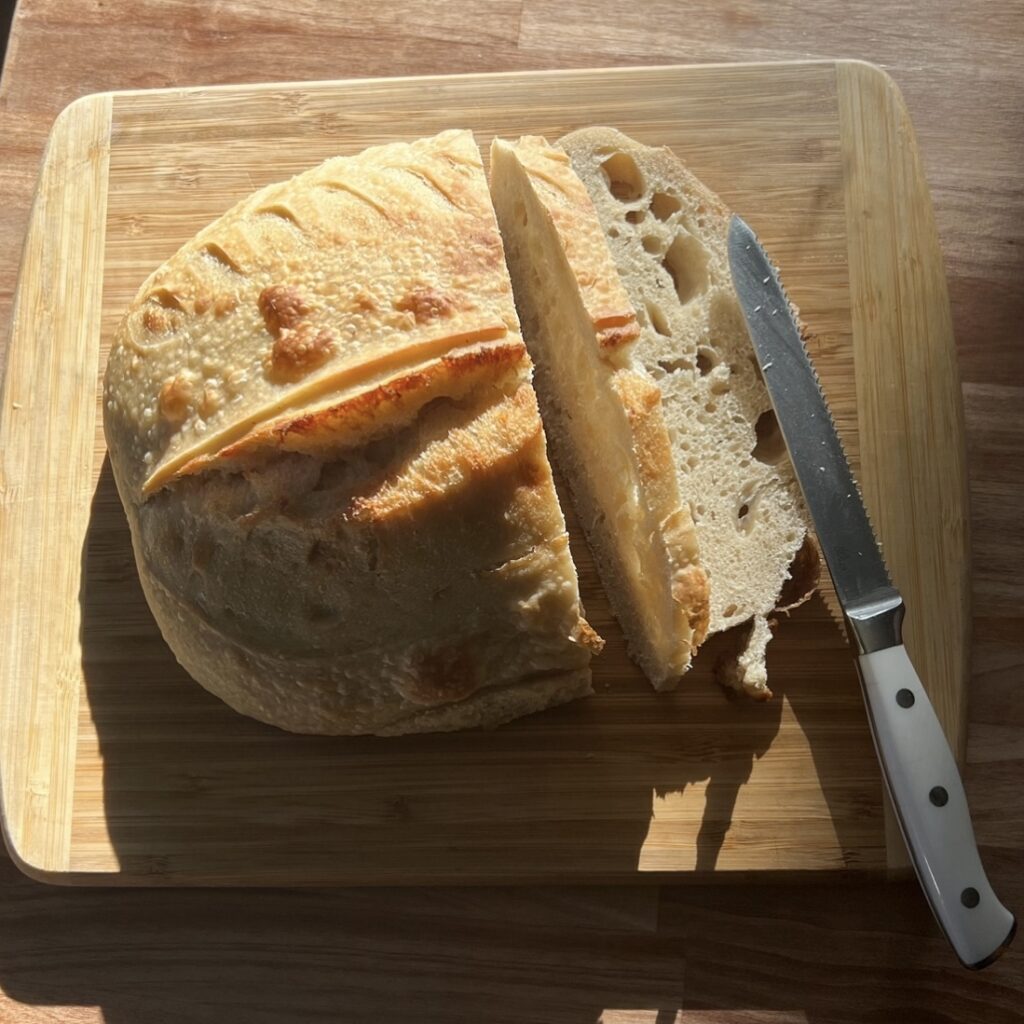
(833, 499)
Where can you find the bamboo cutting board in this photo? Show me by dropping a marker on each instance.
(116, 768)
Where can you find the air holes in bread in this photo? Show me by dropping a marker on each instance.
(625, 181)
(687, 264)
(728, 611)
(663, 205)
(658, 321)
(720, 387)
(675, 365)
(635, 216)
(653, 245)
(770, 446)
(745, 511)
(707, 360)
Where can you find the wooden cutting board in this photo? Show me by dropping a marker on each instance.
(117, 768)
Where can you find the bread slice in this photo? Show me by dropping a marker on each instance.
(601, 408)
(322, 428)
(667, 234)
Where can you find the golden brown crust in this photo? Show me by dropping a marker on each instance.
(175, 398)
(322, 428)
(334, 656)
(402, 235)
(300, 350)
(282, 307)
(350, 381)
(618, 337)
(426, 304)
(692, 590)
(587, 637)
(369, 413)
(496, 436)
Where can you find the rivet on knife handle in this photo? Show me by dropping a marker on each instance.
(919, 768)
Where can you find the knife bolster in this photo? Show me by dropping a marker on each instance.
(876, 622)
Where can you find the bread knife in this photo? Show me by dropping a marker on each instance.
(920, 771)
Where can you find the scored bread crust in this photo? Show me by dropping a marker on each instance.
(351, 272)
(667, 233)
(322, 428)
(602, 409)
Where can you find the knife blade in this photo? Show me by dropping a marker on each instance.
(918, 766)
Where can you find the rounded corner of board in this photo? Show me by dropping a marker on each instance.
(86, 107)
(35, 868)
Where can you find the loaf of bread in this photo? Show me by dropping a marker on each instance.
(322, 427)
(667, 234)
(601, 408)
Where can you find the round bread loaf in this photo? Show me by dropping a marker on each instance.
(322, 428)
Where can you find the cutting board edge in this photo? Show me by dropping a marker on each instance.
(882, 172)
(321, 84)
(36, 784)
(72, 879)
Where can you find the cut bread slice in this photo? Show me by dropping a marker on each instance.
(667, 233)
(601, 408)
(323, 431)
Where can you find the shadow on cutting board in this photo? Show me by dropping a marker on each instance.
(192, 789)
(189, 788)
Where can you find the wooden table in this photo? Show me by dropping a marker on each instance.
(817, 952)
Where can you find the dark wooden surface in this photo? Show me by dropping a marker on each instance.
(825, 952)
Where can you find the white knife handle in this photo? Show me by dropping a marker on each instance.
(929, 798)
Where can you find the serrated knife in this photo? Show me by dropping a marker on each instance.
(918, 766)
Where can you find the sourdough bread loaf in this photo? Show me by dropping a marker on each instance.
(601, 408)
(322, 428)
(667, 233)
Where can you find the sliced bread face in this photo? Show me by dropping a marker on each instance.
(667, 233)
(602, 410)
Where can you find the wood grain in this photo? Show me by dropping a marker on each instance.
(46, 483)
(170, 786)
(761, 953)
(909, 393)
